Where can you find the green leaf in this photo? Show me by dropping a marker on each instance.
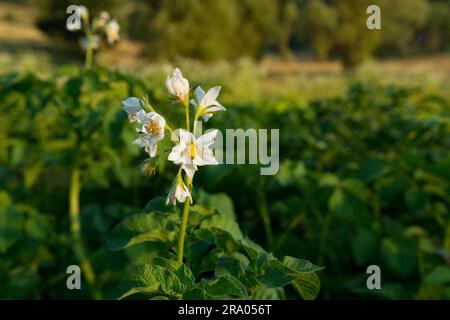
(251, 248)
(226, 219)
(10, 228)
(307, 285)
(199, 213)
(300, 265)
(138, 228)
(221, 202)
(371, 170)
(148, 279)
(337, 202)
(5, 200)
(226, 265)
(183, 273)
(399, 255)
(276, 275)
(159, 298)
(224, 223)
(157, 204)
(328, 180)
(440, 275)
(32, 173)
(364, 246)
(224, 286)
(195, 294)
(264, 293)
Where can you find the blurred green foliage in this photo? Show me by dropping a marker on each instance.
(364, 179)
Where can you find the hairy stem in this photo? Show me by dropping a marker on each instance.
(75, 229)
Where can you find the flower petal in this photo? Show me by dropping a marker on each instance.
(211, 96)
(189, 169)
(207, 139)
(132, 102)
(200, 94)
(143, 118)
(176, 155)
(208, 157)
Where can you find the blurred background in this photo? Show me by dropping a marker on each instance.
(364, 119)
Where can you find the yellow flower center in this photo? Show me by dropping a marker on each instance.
(113, 34)
(153, 128)
(192, 151)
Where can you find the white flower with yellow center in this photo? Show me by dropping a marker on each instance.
(132, 106)
(178, 192)
(178, 86)
(191, 152)
(152, 131)
(112, 31)
(206, 104)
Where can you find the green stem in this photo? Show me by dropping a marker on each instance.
(294, 223)
(75, 229)
(186, 113)
(184, 221)
(89, 57)
(324, 236)
(446, 244)
(89, 50)
(265, 216)
(187, 203)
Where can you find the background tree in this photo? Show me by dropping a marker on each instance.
(354, 42)
(437, 27)
(401, 21)
(219, 29)
(321, 21)
(229, 29)
(288, 17)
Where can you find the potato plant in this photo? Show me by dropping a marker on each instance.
(220, 262)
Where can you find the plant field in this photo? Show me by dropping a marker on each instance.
(110, 169)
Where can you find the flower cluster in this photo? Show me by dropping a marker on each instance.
(101, 26)
(189, 150)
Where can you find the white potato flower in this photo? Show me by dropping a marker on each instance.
(132, 106)
(178, 86)
(145, 142)
(112, 31)
(206, 104)
(178, 192)
(152, 131)
(100, 22)
(84, 12)
(191, 152)
(104, 16)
